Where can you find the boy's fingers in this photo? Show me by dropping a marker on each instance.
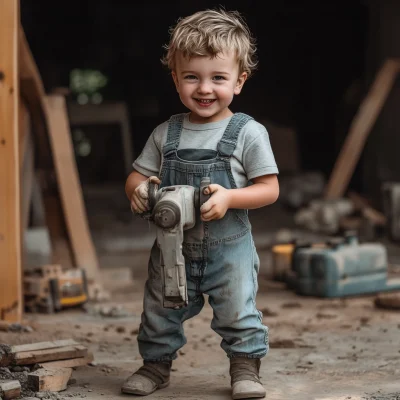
(206, 207)
(207, 212)
(154, 179)
(142, 191)
(211, 188)
(139, 204)
(208, 217)
(140, 197)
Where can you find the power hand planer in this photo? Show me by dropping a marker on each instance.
(341, 267)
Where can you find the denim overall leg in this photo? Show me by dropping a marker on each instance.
(220, 257)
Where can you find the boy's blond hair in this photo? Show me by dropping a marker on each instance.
(209, 33)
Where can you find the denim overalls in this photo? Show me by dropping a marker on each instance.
(220, 257)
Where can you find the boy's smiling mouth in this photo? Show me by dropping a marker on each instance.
(205, 102)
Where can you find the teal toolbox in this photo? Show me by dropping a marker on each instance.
(341, 267)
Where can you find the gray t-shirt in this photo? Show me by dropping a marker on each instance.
(252, 157)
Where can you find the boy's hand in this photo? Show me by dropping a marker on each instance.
(217, 206)
(140, 196)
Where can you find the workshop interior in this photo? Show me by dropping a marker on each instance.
(82, 88)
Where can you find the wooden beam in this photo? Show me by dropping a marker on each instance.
(10, 228)
(43, 345)
(32, 92)
(360, 127)
(70, 363)
(10, 389)
(13, 355)
(49, 379)
(27, 165)
(70, 189)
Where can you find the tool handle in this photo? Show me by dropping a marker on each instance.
(153, 188)
(205, 181)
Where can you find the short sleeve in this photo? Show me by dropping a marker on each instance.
(149, 161)
(258, 158)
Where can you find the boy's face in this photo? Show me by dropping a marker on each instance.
(206, 86)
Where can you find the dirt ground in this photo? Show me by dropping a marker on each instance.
(320, 349)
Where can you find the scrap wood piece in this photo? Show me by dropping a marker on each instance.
(388, 300)
(43, 345)
(70, 363)
(40, 352)
(60, 353)
(49, 379)
(10, 389)
(69, 184)
(360, 128)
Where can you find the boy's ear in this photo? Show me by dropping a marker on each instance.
(175, 78)
(240, 82)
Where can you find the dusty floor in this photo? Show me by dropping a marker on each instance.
(321, 349)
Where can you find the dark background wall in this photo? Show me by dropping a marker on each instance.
(312, 61)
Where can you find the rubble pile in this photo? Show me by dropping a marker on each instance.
(40, 370)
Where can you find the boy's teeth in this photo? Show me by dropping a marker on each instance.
(204, 101)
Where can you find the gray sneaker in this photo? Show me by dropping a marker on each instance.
(245, 379)
(148, 378)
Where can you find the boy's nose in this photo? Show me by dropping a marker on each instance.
(204, 87)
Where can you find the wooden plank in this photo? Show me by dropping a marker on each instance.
(10, 389)
(43, 345)
(49, 379)
(70, 363)
(26, 164)
(44, 351)
(70, 190)
(360, 128)
(10, 231)
(27, 68)
(27, 180)
(32, 91)
(60, 353)
(23, 128)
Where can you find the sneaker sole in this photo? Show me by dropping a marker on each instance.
(248, 395)
(142, 393)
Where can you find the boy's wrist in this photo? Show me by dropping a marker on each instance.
(230, 197)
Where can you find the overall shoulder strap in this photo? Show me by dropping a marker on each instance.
(227, 144)
(175, 124)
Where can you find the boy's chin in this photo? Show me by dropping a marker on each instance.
(208, 115)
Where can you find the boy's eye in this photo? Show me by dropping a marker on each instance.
(190, 77)
(219, 78)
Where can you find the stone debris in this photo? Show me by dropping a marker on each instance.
(15, 327)
(382, 396)
(22, 377)
(109, 311)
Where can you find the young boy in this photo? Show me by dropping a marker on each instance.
(210, 54)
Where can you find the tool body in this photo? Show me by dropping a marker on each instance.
(173, 210)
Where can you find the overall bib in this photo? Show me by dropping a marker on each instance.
(220, 259)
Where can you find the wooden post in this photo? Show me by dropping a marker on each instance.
(33, 93)
(360, 127)
(10, 231)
